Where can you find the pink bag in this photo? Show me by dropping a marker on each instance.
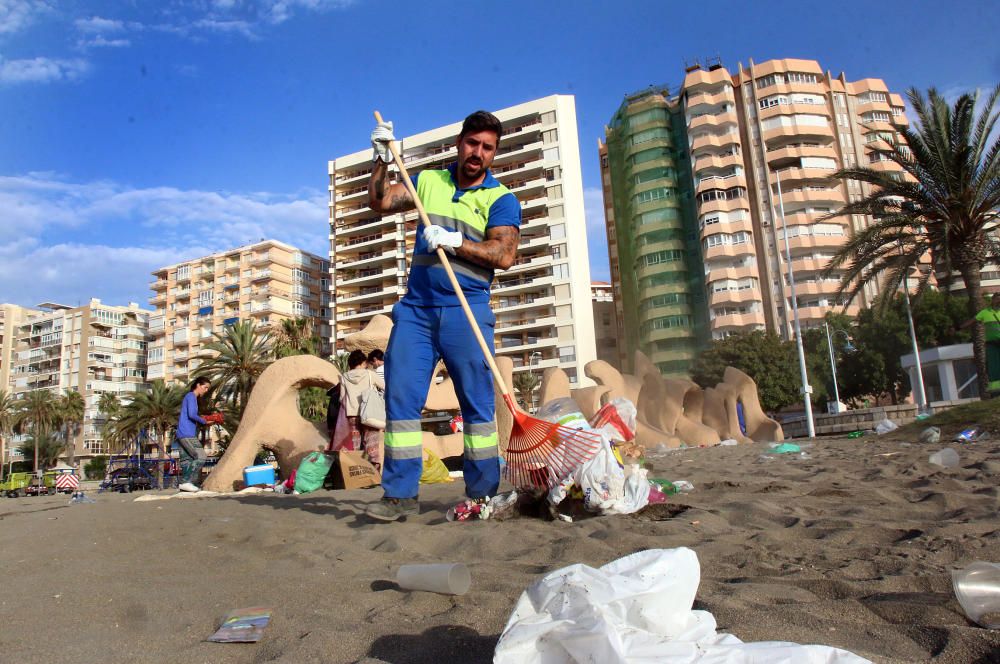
(342, 438)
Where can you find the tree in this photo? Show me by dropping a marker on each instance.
(39, 413)
(339, 360)
(234, 361)
(96, 468)
(71, 409)
(8, 418)
(946, 206)
(771, 362)
(296, 338)
(155, 411)
(109, 404)
(525, 384)
(47, 448)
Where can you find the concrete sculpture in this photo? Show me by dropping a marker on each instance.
(670, 411)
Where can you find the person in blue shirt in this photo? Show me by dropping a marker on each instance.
(477, 221)
(192, 453)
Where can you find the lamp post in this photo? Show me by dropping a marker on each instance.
(803, 374)
(531, 363)
(833, 361)
(922, 405)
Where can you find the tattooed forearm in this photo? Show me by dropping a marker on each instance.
(498, 250)
(398, 201)
(384, 197)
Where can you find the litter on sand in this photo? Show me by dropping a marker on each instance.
(634, 610)
(243, 626)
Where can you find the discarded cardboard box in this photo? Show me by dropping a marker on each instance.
(353, 471)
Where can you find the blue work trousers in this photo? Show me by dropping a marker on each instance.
(420, 337)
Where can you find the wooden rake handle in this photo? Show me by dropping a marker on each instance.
(443, 256)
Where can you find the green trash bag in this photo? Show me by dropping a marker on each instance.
(312, 471)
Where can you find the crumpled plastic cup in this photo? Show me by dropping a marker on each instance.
(444, 578)
(946, 458)
(977, 588)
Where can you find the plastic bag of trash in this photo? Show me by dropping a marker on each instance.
(931, 435)
(885, 426)
(563, 411)
(434, 472)
(633, 610)
(617, 419)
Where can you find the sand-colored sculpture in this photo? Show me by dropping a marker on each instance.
(670, 411)
(272, 420)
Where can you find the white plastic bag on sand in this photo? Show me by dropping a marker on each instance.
(607, 487)
(885, 426)
(635, 610)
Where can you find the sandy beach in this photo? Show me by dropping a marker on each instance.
(851, 547)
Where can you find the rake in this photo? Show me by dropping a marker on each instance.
(539, 453)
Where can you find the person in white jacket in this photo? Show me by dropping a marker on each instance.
(358, 380)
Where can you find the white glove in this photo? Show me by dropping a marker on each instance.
(381, 137)
(436, 236)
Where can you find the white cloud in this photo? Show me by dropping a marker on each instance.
(282, 10)
(232, 26)
(131, 232)
(15, 15)
(100, 42)
(96, 24)
(73, 273)
(42, 70)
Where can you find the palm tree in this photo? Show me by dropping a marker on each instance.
(339, 360)
(8, 418)
(71, 409)
(946, 206)
(109, 404)
(48, 446)
(296, 338)
(525, 384)
(235, 360)
(39, 413)
(155, 411)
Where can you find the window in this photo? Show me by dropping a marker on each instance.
(770, 80)
(649, 155)
(557, 231)
(653, 195)
(560, 271)
(654, 174)
(876, 116)
(555, 191)
(799, 77)
(650, 135)
(666, 256)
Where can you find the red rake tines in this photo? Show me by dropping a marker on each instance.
(540, 454)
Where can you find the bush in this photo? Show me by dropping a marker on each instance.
(95, 468)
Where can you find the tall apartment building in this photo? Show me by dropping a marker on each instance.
(265, 282)
(605, 323)
(655, 259)
(11, 317)
(542, 303)
(784, 120)
(91, 349)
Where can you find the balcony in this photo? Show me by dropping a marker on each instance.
(747, 321)
(734, 297)
(528, 344)
(180, 337)
(183, 295)
(158, 299)
(158, 285)
(183, 277)
(710, 121)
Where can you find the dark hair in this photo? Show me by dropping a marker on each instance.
(481, 121)
(356, 359)
(200, 380)
(376, 354)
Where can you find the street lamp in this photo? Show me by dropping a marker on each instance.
(922, 405)
(803, 374)
(531, 363)
(833, 361)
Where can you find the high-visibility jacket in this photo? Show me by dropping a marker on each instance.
(471, 211)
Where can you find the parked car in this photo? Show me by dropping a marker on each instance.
(127, 480)
(36, 487)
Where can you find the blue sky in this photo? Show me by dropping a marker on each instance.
(136, 134)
